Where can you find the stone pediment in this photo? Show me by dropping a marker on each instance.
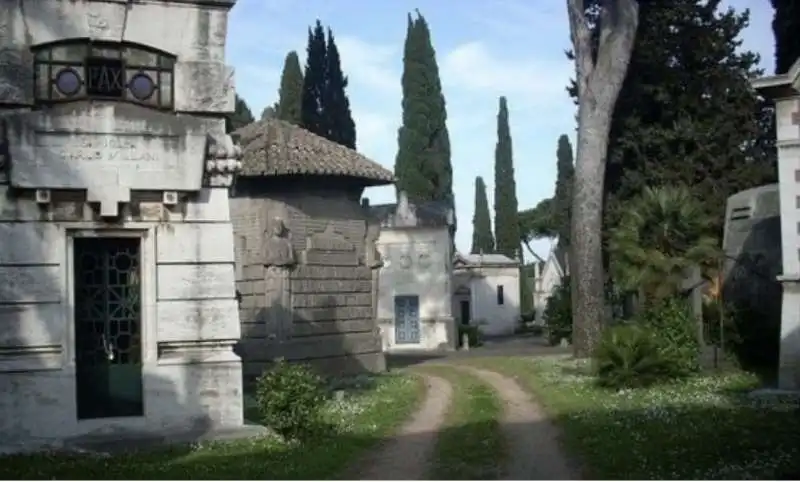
(106, 148)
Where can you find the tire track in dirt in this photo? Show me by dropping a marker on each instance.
(533, 440)
(407, 454)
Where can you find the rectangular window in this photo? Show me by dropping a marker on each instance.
(500, 297)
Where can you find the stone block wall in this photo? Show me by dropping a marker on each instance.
(187, 299)
(319, 308)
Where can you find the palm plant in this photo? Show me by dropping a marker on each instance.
(662, 233)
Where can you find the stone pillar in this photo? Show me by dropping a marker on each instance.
(785, 89)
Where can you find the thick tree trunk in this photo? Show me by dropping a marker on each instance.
(599, 81)
(586, 256)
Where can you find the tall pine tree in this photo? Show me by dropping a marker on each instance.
(422, 165)
(312, 117)
(482, 239)
(562, 202)
(785, 26)
(290, 102)
(335, 104)
(506, 222)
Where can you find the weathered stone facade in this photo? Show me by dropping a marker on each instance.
(785, 89)
(117, 296)
(413, 286)
(304, 252)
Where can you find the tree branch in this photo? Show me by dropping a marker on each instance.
(619, 20)
(581, 42)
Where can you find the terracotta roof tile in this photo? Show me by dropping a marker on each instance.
(273, 147)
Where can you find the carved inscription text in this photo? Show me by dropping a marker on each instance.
(102, 148)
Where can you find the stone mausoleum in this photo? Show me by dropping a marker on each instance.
(117, 299)
(305, 251)
(413, 302)
(785, 90)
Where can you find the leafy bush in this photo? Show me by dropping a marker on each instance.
(628, 356)
(558, 313)
(674, 330)
(473, 335)
(290, 398)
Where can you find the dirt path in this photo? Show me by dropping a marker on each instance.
(407, 455)
(535, 453)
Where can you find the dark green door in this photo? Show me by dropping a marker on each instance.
(108, 327)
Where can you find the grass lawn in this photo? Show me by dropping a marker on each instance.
(361, 420)
(471, 445)
(698, 429)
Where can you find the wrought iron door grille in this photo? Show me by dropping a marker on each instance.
(107, 301)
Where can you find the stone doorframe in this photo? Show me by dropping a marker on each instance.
(146, 233)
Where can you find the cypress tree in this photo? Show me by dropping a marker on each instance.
(312, 116)
(482, 239)
(506, 223)
(785, 27)
(335, 104)
(563, 196)
(290, 94)
(422, 165)
(686, 113)
(240, 117)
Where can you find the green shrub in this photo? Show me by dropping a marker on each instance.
(628, 357)
(290, 397)
(674, 329)
(558, 313)
(473, 335)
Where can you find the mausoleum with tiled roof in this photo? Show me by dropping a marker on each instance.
(304, 272)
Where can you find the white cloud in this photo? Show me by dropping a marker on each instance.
(369, 65)
(472, 66)
(376, 132)
(514, 20)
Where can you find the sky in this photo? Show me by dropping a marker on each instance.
(485, 49)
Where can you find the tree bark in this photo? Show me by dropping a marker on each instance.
(599, 81)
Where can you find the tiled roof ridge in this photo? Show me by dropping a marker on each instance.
(273, 147)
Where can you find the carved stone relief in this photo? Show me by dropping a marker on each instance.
(424, 260)
(330, 248)
(404, 261)
(371, 256)
(277, 249)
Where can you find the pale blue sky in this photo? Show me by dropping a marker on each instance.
(485, 49)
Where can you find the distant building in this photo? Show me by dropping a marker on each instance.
(548, 276)
(486, 292)
(413, 299)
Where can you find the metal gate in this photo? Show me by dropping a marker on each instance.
(108, 327)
